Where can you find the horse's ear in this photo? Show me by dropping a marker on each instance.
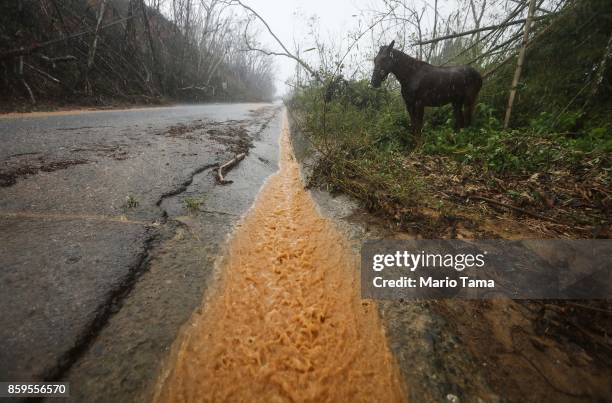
(390, 48)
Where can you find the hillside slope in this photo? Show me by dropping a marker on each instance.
(101, 51)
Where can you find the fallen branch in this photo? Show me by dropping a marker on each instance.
(511, 207)
(489, 34)
(24, 82)
(30, 93)
(26, 50)
(42, 73)
(193, 87)
(61, 59)
(513, 55)
(285, 51)
(533, 40)
(501, 47)
(592, 308)
(489, 28)
(226, 167)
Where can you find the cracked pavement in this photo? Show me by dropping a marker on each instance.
(102, 259)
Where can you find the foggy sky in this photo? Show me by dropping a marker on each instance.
(334, 17)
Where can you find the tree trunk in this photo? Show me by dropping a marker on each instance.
(130, 32)
(24, 82)
(519, 65)
(600, 74)
(435, 27)
(94, 45)
(156, 66)
(213, 69)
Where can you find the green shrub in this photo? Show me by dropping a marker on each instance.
(370, 126)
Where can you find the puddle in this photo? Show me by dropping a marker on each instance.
(286, 322)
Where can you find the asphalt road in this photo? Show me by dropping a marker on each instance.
(110, 224)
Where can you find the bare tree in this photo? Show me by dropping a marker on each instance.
(519, 65)
(93, 47)
(285, 52)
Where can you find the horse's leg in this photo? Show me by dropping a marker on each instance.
(419, 112)
(417, 123)
(457, 107)
(468, 111)
(410, 109)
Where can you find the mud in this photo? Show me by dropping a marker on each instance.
(286, 322)
(526, 356)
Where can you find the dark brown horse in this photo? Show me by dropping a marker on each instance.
(426, 85)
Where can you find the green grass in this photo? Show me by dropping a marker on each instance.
(520, 151)
(376, 121)
(192, 204)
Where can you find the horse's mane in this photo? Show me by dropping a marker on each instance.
(407, 59)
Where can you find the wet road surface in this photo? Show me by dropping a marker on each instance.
(110, 223)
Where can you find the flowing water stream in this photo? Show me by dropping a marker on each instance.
(286, 322)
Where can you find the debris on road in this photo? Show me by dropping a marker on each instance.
(226, 167)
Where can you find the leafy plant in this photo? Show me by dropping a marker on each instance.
(131, 202)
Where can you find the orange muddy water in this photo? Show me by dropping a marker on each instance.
(286, 322)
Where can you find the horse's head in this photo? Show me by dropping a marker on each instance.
(383, 63)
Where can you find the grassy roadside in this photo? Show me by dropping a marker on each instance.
(551, 171)
(546, 174)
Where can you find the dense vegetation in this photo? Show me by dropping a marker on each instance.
(554, 162)
(102, 51)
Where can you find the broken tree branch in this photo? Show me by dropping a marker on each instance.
(511, 207)
(193, 87)
(499, 47)
(285, 51)
(24, 82)
(511, 57)
(42, 73)
(226, 167)
(26, 50)
(519, 8)
(30, 93)
(53, 60)
(94, 45)
(489, 28)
